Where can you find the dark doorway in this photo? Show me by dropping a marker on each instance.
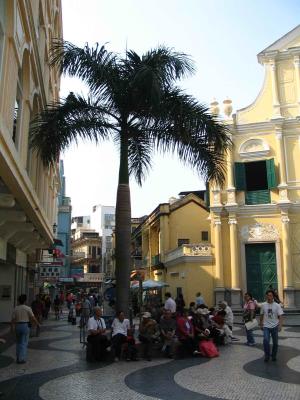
(261, 268)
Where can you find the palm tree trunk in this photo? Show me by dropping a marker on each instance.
(123, 231)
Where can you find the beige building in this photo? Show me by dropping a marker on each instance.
(173, 245)
(28, 191)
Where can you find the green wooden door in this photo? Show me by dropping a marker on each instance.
(261, 269)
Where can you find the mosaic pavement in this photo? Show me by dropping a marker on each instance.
(56, 369)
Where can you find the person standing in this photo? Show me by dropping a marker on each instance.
(199, 299)
(271, 323)
(21, 317)
(170, 303)
(249, 316)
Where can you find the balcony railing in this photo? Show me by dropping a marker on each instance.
(189, 250)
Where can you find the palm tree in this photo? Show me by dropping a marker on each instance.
(135, 102)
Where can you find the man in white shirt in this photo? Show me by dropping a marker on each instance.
(170, 303)
(271, 323)
(120, 327)
(97, 335)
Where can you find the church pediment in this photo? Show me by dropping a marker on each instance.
(289, 41)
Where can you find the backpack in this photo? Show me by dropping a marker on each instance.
(208, 349)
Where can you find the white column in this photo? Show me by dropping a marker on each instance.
(276, 104)
(297, 75)
(235, 273)
(218, 253)
(288, 289)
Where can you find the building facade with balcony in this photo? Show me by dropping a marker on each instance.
(173, 245)
(86, 254)
(28, 190)
(256, 217)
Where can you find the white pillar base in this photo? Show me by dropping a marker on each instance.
(289, 298)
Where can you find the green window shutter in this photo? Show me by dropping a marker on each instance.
(240, 176)
(271, 176)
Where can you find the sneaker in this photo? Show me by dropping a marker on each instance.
(234, 339)
(196, 352)
(251, 344)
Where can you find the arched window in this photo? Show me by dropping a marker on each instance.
(31, 157)
(22, 94)
(2, 26)
(17, 110)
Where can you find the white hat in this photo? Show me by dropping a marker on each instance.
(202, 311)
(146, 315)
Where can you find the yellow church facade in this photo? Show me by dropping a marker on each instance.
(255, 217)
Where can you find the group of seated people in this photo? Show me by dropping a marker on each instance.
(178, 333)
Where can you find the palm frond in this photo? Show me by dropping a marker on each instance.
(139, 152)
(94, 65)
(186, 127)
(151, 74)
(62, 123)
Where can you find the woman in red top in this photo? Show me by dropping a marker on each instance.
(185, 332)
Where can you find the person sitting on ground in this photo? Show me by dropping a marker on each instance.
(219, 323)
(148, 334)
(192, 309)
(168, 330)
(170, 303)
(201, 323)
(185, 332)
(122, 334)
(228, 317)
(180, 303)
(97, 335)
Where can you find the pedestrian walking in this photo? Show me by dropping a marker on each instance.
(37, 309)
(249, 316)
(21, 317)
(271, 323)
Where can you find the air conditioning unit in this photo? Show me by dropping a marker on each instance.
(174, 274)
(182, 275)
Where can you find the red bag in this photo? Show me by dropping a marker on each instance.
(208, 349)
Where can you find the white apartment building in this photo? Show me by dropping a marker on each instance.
(103, 221)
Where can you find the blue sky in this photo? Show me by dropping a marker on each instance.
(222, 36)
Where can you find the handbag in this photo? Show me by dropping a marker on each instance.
(208, 349)
(251, 324)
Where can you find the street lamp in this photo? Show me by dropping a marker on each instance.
(54, 227)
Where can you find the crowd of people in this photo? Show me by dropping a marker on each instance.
(176, 330)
